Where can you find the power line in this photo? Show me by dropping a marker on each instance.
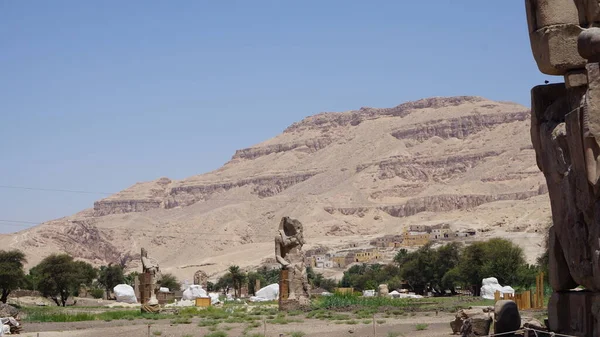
(22, 223)
(52, 190)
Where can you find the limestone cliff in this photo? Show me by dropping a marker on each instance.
(466, 161)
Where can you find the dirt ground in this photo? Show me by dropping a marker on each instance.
(406, 326)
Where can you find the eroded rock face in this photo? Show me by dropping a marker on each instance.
(187, 194)
(565, 132)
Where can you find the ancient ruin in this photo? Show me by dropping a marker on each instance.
(293, 284)
(201, 278)
(565, 126)
(149, 282)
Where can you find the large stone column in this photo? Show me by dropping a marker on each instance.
(565, 132)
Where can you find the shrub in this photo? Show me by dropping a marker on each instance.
(421, 327)
(97, 292)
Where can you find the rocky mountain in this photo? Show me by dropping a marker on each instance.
(348, 177)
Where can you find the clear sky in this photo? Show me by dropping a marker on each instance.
(98, 95)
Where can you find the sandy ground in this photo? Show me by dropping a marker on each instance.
(437, 326)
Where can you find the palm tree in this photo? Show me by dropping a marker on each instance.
(237, 278)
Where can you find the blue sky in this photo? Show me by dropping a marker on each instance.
(98, 95)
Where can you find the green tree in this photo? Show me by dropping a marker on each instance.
(130, 278)
(170, 281)
(224, 283)
(12, 274)
(400, 256)
(237, 279)
(110, 276)
(57, 277)
(498, 258)
(418, 268)
(447, 257)
(252, 278)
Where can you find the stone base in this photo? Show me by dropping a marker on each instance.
(150, 308)
(294, 305)
(575, 313)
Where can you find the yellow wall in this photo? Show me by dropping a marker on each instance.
(415, 240)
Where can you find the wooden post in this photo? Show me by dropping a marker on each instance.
(541, 289)
(497, 296)
(265, 324)
(374, 329)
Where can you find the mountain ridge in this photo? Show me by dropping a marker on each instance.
(347, 175)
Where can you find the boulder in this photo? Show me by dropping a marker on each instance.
(472, 322)
(478, 325)
(383, 290)
(8, 310)
(507, 317)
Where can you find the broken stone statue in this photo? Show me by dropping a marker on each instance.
(293, 285)
(150, 266)
(201, 278)
(565, 132)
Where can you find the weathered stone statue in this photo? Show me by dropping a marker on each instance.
(150, 266)
(565, 132)
(294, 287)
(201, 278)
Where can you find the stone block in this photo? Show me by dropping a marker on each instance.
(574, 313)
(506, 317)
(478, 325)
(576, 78)
(543, 13)
(555, 49)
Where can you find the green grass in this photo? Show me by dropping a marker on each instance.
(283, 320)
(298, 334)
(420, 327)
(54, 314)
(394, 334)
(157, 333)
(209, 322)
(216, 334)
(397, 306)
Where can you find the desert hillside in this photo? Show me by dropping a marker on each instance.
(348, 177)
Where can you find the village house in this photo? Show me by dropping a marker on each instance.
(367, 255)
(322, 261)
(411, 239)
(339, 260)
(419, 228)
(441, 233)
(388, 241)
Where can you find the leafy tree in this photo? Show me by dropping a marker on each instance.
(237, 279)
(418, 268)
(400, 256)
(224, 283)
(446, 258)
(252, 278)
(97, 292)
(11, 272)
(130, 278)
(86, 273)
(471, 264)
(317, 280)
(110, 276)
(210, 286)
(499, 258)
(57, 277)
(364, 276)
(170, 281)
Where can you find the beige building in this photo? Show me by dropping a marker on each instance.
(411, 239)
